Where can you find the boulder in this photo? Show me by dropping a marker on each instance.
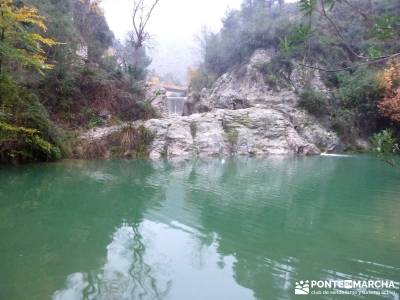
(158, 99)
(244, 86)
(239, 115)
(195, 103)
(248, 132)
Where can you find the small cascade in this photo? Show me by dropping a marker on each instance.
(175, 103)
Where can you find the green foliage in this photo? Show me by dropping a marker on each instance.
(384, 142)
(354, 110)
(361, 28)
(277, 72)
(132, 142)
(385, 27)
(328, 34)
(243, 32)
(128, 142)
(20, 144)
(343, 122)
(232, 136)
(295, 39)
(27, 133)
(136, 72)
(18, 42)
(133, 61)
(79, 91)
(374, 51)
(307, 6)
(360, 91)
(199, 79)
(96, 121)
(313, 101)
(90, 95)
(193, 129)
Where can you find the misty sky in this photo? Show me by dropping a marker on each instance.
(173, 28)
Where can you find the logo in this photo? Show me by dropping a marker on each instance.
(347, 287)
(302, 288)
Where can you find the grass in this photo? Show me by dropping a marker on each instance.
(128, 142)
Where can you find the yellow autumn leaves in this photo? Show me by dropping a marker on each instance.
(21, 44)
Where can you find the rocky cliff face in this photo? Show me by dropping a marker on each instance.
(239, 115)
(250, 131)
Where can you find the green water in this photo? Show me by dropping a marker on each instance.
(240, 229)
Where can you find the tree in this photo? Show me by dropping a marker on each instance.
(141, 17)
(270, 3)
(93, 28)
(198, 79)
(132, 61)
(384, 28)
(389, 107)
(20, 41)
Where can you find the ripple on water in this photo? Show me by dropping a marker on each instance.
(244, 229)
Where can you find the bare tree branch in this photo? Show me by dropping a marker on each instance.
(362, 13)
(140, 20)
(338, 32)
(376, 61)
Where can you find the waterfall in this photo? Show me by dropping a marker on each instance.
(175, 103)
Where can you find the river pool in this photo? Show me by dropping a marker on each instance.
(213, 229)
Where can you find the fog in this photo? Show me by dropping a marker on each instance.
(173, 28)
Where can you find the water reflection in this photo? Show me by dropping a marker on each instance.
(243, 229)
(124, 275)
(156, 261)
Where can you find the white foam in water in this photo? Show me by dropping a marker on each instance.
(335, 155)
(75, 285)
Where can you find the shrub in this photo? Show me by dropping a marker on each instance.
(384, 142)
(193, 129)
(26, 131)
(20, 144)
(127, 142)
(199, 79)
(389, 107)
(360, 90)
(277, 72)
(79, 98)
(96, 121)
(243, 32)
(131, 142)
(343, 124)
(313, 101)
(232, 136)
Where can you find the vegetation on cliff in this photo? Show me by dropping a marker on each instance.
(353, 45)
(61, 69)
